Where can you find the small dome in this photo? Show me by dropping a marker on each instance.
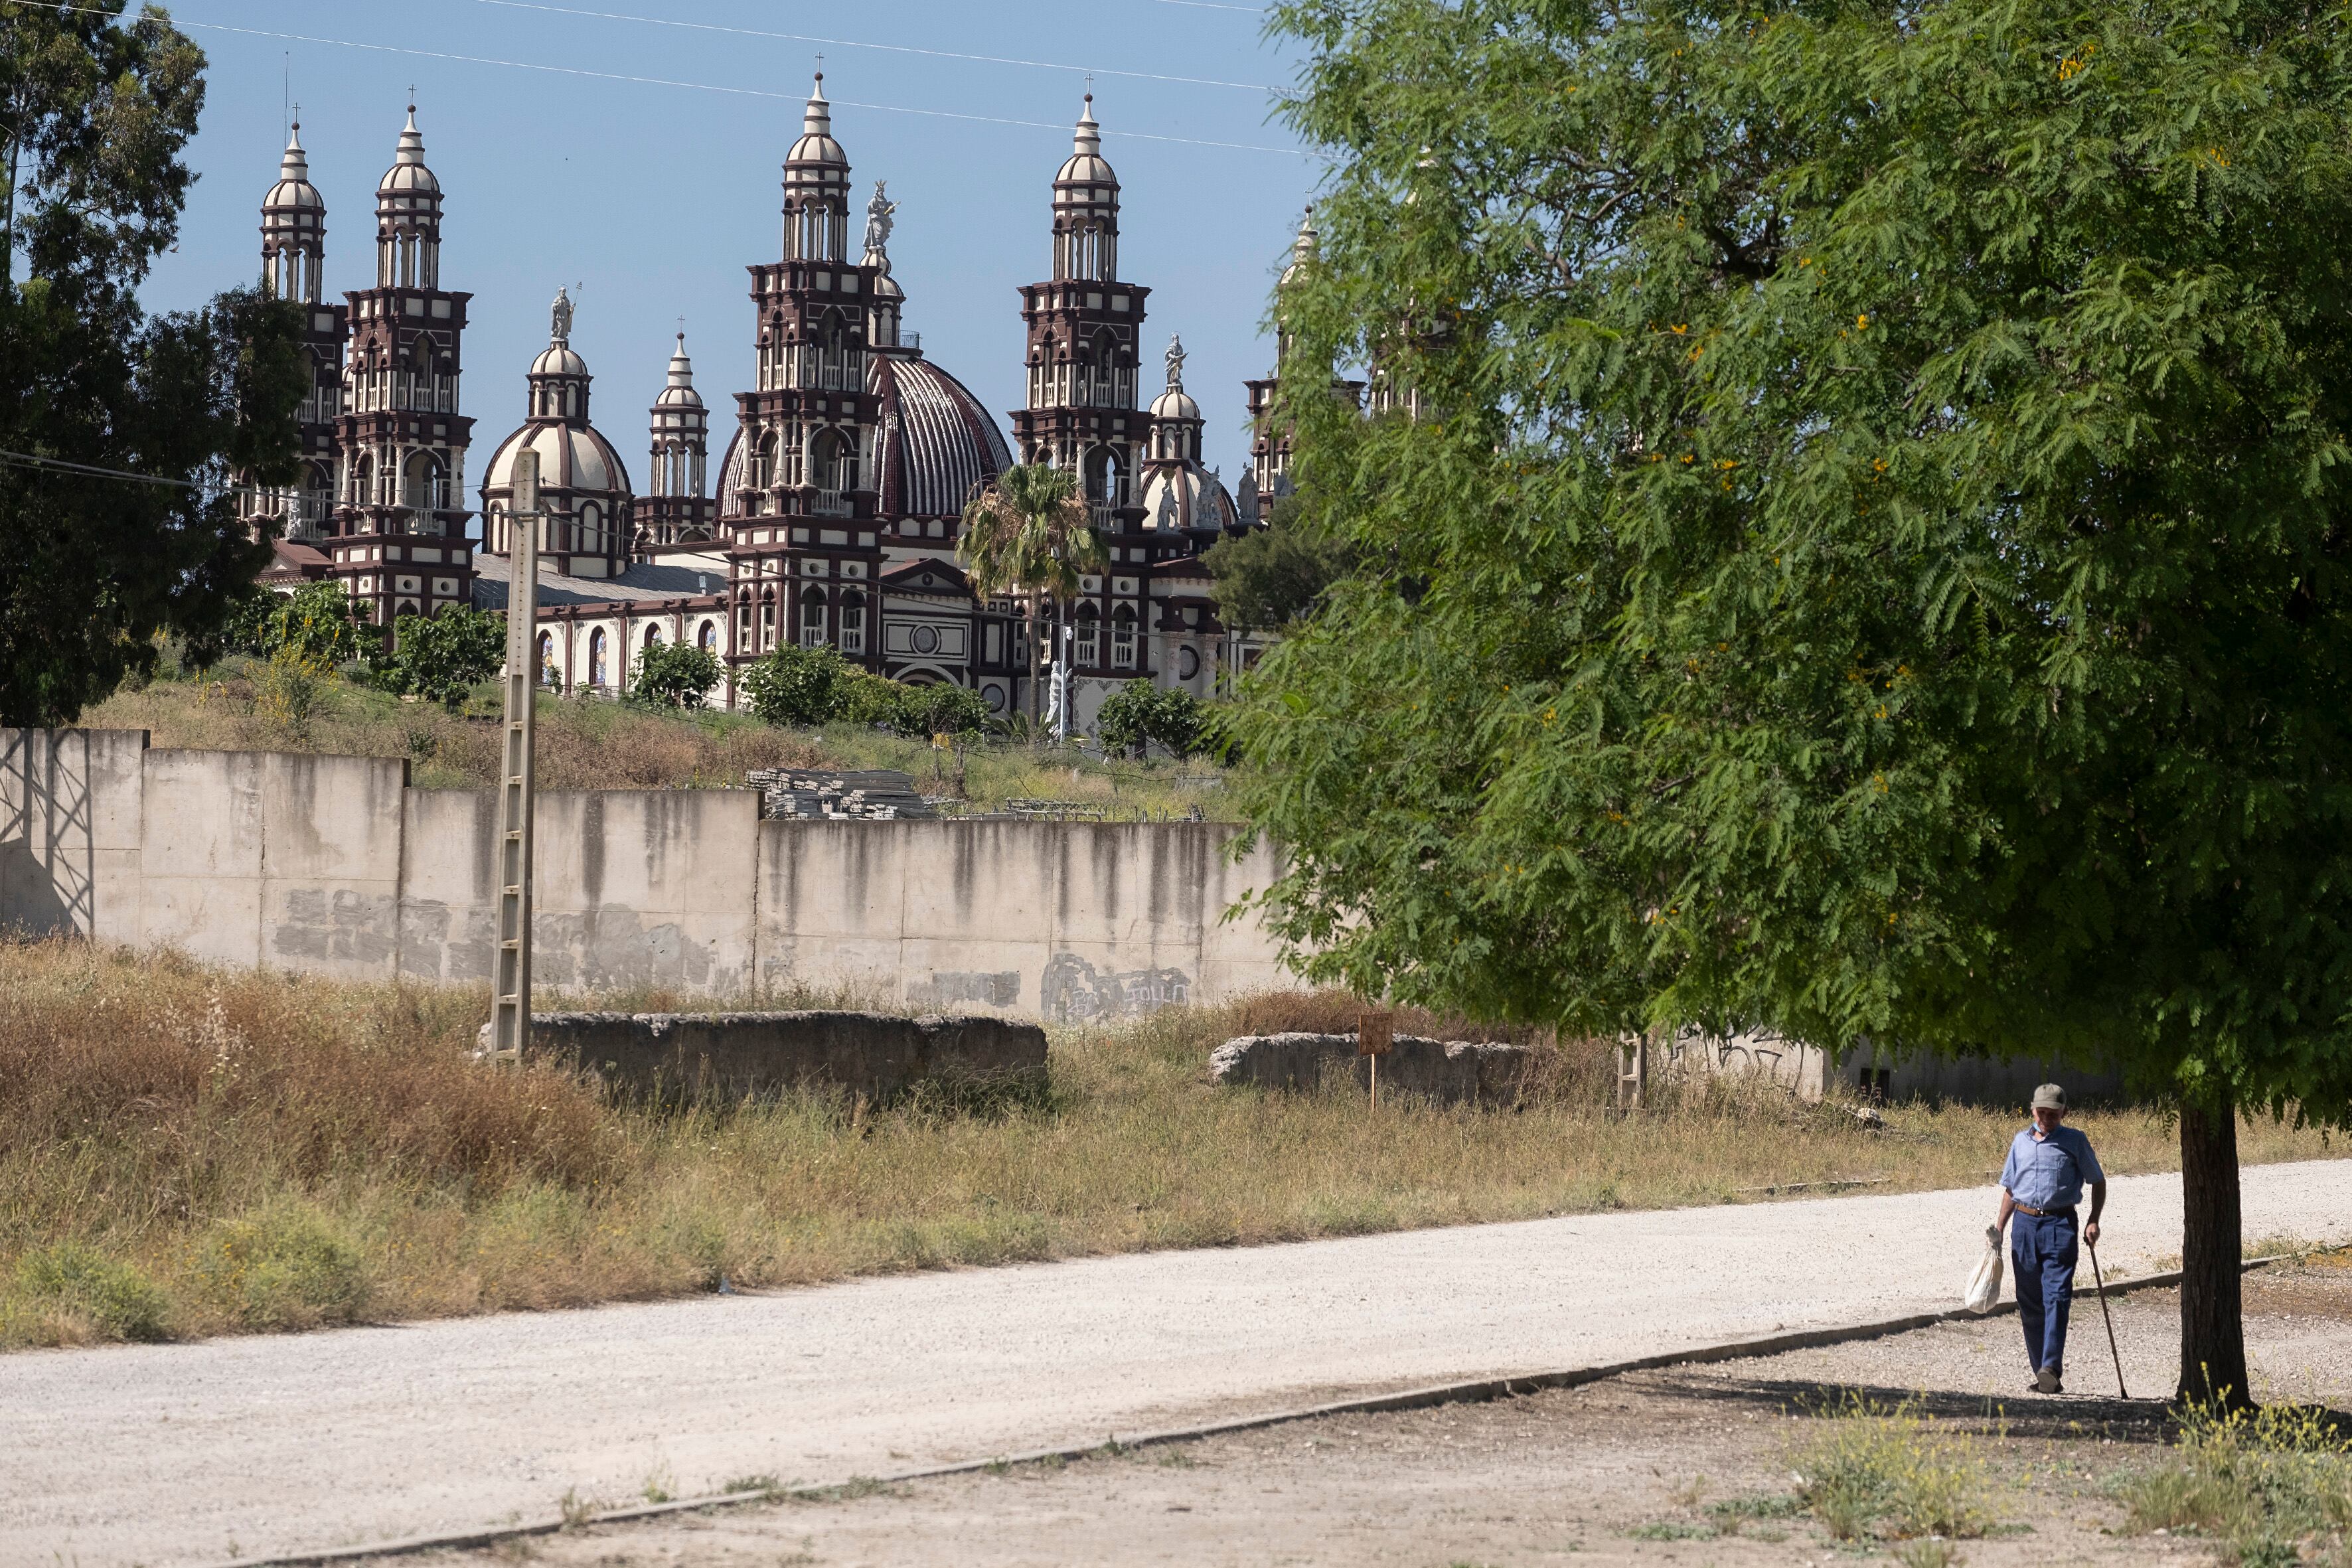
(1175, 403)
(408, 174)
(1086, 165)
(557, 359)
(1302, 250)
(816, 145)
(680, 392)
(294, 191)
(1187, 498)
(938, 442)
(571, 457)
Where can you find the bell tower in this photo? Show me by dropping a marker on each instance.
(293, 269)
(1084, 326)
(399, 538)
(804, 544)
(674, 510)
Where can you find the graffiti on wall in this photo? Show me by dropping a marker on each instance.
(1074, 990)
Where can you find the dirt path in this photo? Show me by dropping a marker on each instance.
(1683, 1467)
(188, 1453)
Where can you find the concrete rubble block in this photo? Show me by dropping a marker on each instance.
(1450, 1072)
(732, 1056)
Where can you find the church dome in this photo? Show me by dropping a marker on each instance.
(1187, 498)
(816, 145)
(571, 457)
(557, 359)
(680, 392)
(294, 191)
(409, 176)
(938, 442)
(1175, 403)
(1086, 165)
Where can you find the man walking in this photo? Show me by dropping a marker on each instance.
(2048, 1164)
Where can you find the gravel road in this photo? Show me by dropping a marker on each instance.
(177, 1453)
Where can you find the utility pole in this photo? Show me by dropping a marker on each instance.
(510, 995)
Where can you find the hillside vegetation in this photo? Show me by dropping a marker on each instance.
(591, 743)
(191, 1151)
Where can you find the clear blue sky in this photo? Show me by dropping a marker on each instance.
(651, 199)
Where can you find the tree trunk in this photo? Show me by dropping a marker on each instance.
(2212, 1324)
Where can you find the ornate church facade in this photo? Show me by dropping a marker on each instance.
(831, 516)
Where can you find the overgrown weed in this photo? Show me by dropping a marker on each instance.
(2272, 1486)
(1877, 1471)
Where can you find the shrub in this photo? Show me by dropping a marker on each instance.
(798, 686)
(2266, 1483)
(443, 658)
(283, 1268)
(120, 1301)
(1888, 1472)
(674, 674)
(318, 625)
(1139, 712)
(915, 710)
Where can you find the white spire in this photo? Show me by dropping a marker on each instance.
(1087, 143)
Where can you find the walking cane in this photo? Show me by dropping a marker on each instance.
(2110, 1316)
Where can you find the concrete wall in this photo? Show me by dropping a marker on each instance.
(334, 865)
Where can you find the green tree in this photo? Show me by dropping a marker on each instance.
(318, 623)
(675, 675)
(117, 519)
(441, 658)
(1867, 551)
(1027, 536)
(1139, 712)
(1269, 577)
(797, 686)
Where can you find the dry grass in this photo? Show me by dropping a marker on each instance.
(188, 1151)
(595, 744)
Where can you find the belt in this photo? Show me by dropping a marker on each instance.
(2066, 1212)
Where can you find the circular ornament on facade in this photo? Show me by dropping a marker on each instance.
(993, 695)
(927, 640)
(1188, 663)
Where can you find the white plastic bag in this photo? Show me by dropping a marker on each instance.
(1984, 1286)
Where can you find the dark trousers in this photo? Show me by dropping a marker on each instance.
(2041, 1253)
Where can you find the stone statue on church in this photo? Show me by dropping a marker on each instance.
(559, 317)
(1175, 363)
(878, 218)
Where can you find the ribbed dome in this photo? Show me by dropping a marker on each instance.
(408, 174)
(571, 457)
(294, 191)
(816, 145)
(1186, 497)
(1175, 403)
(557, 359)
(1086, 165)
(680, 392)
(938, 441)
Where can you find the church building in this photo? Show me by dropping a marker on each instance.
(831, 517)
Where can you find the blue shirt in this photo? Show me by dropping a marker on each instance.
(2049, 1172)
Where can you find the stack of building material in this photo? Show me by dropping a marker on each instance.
(877, 794)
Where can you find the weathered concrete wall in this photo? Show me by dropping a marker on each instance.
(1448, 1071)
(728, 1056)
(1058, 920)
(333, 865)
(70, 805)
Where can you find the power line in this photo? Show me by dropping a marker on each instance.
(67, 7)
(854, 43)
(34, 460)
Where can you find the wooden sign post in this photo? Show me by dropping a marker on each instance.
(1375, 1032)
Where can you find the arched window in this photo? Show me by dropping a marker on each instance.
(707, 638)
(813, 619)
(1122, 638)
(653, 636)
(853, 623)
(363, 479)
(1106, 477)
(596, 658)
(592, 529)
(1089, 649)
(763, 469)
(547, 671)
(767, 617)
(676, 467)
(832, 469)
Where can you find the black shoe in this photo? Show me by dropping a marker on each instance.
(2046, 1380)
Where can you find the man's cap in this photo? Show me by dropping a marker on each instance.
(2049, 1097)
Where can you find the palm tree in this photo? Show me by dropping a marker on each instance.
(1028, 535)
